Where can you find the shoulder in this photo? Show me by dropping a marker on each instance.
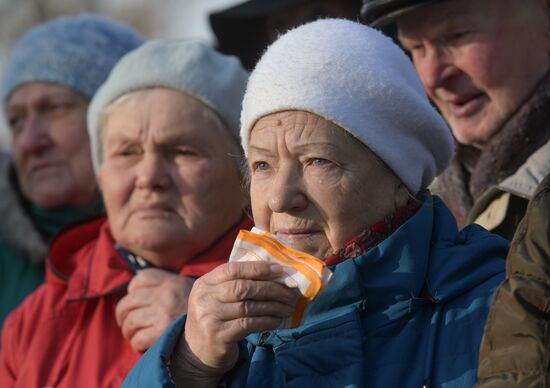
(43, 303)
(472, 237)
(465, 264)
(531, 244)
(22, 324)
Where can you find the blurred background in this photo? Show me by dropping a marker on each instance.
(161, 18)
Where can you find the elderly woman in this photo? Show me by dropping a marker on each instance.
(342, 144)
(163, 130)
(46, 86)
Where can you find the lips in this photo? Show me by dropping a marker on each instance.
(36, 167)
(295, 234)
(153, 210)
(466, 106)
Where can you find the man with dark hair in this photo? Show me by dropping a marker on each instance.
(485, 65)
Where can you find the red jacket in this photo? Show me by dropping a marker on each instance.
(65, 334)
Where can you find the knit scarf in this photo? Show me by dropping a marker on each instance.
(473, 171)
(374, 234)
(51, 221)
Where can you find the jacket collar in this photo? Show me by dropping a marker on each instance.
(85, 259)
(525, 181)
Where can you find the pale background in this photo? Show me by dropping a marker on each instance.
(152, 18)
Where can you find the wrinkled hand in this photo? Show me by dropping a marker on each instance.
(231, 302)
(155, 299)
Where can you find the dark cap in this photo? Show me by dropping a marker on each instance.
(243, 30)
(379, 13)
(240, 30)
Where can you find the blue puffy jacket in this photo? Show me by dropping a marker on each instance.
(409, 312)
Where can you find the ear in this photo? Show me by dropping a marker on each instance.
(99, 177)
(402, 194)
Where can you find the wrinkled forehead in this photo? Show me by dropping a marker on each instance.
(167, 114)
(296, 126)
(34, 91)
(304, 131)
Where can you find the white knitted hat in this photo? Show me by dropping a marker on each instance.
(217, 80)
(359, 79)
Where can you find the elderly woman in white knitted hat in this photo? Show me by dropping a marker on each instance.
(341, 144)
(163, 131)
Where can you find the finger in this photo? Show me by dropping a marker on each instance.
(150, 277)
(137, 320)
(145, 338)
(122, 308)
(249, 308)
(236, 330)
(251, 270)
(139, 298)
(239, 290)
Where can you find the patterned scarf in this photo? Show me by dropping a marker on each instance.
(374, 234)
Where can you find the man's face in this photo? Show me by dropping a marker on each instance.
(478, 60)
(50, 141)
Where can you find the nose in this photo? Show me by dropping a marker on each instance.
(34, 136)
(435, 68)
(287, 193)
(153, 172)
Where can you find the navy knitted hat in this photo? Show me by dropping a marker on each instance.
(77, 52)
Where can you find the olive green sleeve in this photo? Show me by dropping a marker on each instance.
(515, 350)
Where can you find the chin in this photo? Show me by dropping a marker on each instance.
(153, 242)
(49, 200)
(476, 135)
(312, 250)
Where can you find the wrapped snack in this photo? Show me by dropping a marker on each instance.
(302, 271)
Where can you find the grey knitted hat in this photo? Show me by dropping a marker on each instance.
(217, 80)
(359, 79)
(77, 52)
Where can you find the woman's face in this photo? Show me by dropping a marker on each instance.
(170, 184)
(314, 186)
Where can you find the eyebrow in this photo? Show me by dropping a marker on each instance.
(297, 147)
(41, 99)
(261, 150)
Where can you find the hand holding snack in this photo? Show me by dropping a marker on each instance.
(231, 302)
(265, 286)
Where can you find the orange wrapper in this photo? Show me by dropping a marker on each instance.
(302, 271)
